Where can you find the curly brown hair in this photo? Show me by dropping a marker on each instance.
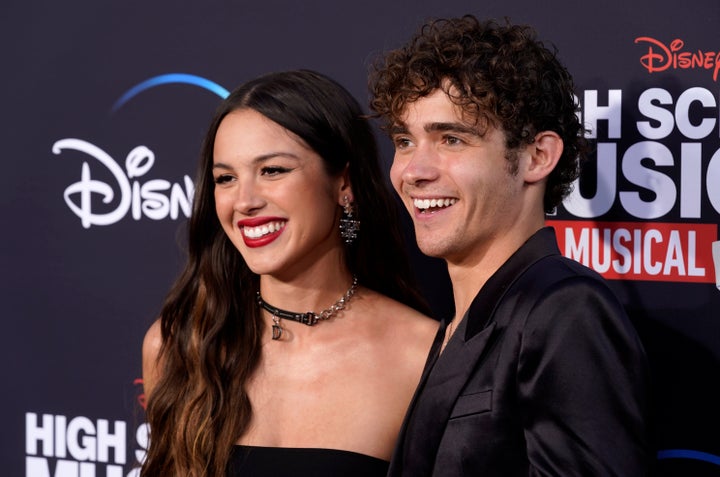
(499, 74)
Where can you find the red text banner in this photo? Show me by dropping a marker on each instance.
(654, 251)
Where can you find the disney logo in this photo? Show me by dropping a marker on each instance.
(155, 199)
(661, 57)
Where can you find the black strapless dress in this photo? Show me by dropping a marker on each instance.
(251, 461)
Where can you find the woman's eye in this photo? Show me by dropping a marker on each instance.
(273, 170)
(223, 179)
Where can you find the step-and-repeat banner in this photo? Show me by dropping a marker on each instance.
(103, 108)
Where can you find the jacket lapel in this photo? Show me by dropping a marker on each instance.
(483, 307)
(434, 401)
(396, 463)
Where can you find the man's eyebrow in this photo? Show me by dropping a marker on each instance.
(397, 128)
(452, 127)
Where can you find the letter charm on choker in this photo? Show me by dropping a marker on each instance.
(276, 328)
(309, 318)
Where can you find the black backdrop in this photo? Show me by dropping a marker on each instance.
(82, 279)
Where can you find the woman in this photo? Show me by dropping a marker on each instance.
(290, 214)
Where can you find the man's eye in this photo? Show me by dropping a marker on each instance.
(452, 140)
(401, 142)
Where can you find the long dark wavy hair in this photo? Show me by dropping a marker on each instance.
(500, 74)
(211, 324)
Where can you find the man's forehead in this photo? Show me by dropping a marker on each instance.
(436, 104)
(438, 112)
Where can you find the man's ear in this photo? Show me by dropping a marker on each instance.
(544, 154)
(345, 187)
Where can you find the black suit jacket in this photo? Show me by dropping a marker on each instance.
(544, 376)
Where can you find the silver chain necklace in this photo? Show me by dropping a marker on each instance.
(309, 318)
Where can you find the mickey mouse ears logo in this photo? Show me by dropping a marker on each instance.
(171, 78)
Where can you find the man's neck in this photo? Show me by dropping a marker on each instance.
(469, 277)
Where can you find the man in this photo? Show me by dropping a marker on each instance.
(540, 371)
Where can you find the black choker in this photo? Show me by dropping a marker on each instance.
(309, 318)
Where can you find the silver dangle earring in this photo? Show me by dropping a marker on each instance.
(349, 227)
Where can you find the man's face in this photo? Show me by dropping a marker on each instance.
(454, 180)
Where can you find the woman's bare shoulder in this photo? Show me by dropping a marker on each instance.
(402, 320)
(403, 337)
(152, 343)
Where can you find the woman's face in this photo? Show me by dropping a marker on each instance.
(273, 197)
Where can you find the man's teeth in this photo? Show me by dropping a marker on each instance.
(424, 204)
(259, 231)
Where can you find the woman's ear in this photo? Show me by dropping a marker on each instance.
(345, 188)
(544, 154)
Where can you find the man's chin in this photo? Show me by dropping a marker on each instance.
(432, 248)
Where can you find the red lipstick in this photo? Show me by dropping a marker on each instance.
(254, 238)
